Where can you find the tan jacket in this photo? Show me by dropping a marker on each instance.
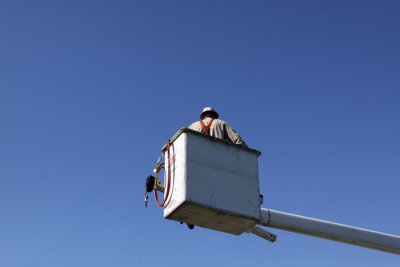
(219, 129)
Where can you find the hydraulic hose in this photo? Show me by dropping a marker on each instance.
(167, 190)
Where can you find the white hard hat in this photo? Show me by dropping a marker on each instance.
(209, 109)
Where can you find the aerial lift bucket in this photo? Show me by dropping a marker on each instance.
(213, 184)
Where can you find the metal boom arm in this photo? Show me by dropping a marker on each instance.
(330, 230)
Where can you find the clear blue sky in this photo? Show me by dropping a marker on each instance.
(91, 90)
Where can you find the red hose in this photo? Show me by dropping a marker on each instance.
(168, 179)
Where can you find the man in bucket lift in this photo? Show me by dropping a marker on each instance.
(209, 124)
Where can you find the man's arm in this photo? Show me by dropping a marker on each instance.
(234, 136)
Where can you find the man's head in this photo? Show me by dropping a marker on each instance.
(209, 112)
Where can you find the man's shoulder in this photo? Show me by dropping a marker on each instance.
(194, 125)
(197, 124)
(218, 121)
